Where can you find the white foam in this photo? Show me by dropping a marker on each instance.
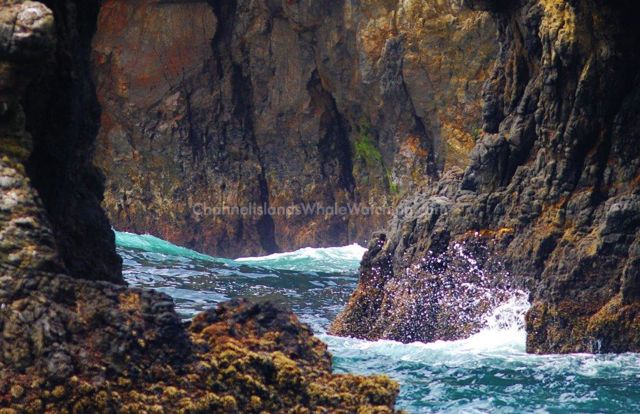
(505, 328)
(351, 252)
(503, 335)
(344, 259)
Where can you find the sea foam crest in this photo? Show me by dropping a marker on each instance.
(329, 259)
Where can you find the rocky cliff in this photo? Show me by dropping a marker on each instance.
(274, 104)
(550, 201)
(49, 118)
(72, 337)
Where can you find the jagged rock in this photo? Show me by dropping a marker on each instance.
(295, 102)
(417, 288)
(552, 188)
(107, 348)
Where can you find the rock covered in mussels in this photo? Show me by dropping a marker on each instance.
(552, 185)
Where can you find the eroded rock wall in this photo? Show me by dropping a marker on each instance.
(278, 103)
(549, 202)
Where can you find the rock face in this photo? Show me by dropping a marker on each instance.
(274, 104)
(550, 199)
(45, 127)
(72, 337)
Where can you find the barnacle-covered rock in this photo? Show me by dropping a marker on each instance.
(111, 349)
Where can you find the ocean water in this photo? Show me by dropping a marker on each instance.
(486, 373)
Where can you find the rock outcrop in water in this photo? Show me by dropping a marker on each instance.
(550, 200)
(277, 103)
(72, 337)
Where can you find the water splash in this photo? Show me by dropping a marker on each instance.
(504, 332)
(445, 295)
(504, 327)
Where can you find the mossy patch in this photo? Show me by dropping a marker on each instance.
(365, 148)
(393, 186)
(367, 151)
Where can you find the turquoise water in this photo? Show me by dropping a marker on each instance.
(487, 373)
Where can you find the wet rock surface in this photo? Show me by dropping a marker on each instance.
(551, 190)
(72, 337)
(418, 288)
(277, 104)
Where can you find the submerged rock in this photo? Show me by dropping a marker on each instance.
(551, 191)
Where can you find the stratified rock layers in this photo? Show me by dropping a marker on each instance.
(72, 340)
(550, 200)
(278, 103)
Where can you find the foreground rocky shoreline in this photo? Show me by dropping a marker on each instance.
(84, 347)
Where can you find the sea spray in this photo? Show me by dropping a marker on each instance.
(504, 326)
(503, 334)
